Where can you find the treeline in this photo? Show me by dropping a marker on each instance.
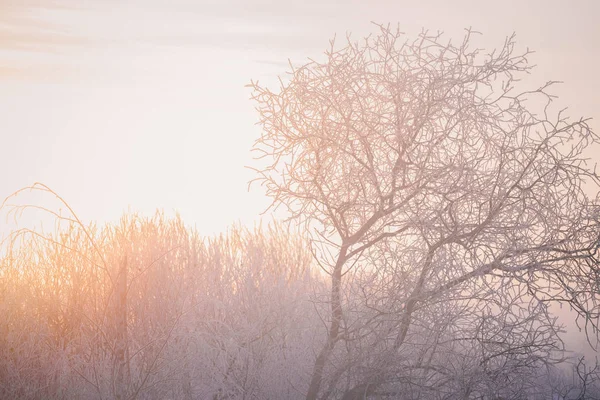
(148, 309)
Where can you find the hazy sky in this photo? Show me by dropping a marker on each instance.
(142, 104)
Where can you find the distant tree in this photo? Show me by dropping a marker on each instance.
(147, 308)
(435, 193)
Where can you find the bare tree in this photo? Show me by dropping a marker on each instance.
(421, 163)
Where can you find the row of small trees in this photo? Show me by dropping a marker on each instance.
(149, 309)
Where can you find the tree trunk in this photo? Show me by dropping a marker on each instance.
(334, 329)
(121, 356)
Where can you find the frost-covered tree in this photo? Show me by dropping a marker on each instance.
(446, 206)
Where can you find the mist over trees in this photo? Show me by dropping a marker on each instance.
(436, 211)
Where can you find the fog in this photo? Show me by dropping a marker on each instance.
(142, 122)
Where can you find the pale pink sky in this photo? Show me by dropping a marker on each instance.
(142, 103)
